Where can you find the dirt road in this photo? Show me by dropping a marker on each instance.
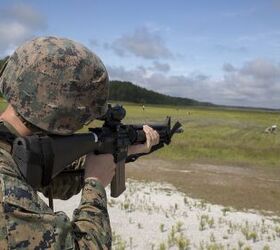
(238, 187)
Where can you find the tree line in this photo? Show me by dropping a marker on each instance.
(129, 92)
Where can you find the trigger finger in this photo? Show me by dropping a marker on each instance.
(148, 140)
(157, 137)
(153, 137)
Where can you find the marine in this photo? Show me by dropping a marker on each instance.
(55, 85)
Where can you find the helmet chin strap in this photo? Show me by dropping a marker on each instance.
(11, 128)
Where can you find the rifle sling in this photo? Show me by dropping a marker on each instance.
(47, 160)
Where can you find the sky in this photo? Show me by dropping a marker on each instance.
(224, 52)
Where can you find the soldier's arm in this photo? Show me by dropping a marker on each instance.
(68, 182)
(28, 223)
(91, 220)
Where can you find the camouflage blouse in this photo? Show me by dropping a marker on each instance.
(26, 222)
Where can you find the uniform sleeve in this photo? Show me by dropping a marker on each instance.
(28, 223)
(67, 183)
(91, 219)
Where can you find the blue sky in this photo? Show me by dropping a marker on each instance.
(226, 52)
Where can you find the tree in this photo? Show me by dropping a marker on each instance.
(127, 91)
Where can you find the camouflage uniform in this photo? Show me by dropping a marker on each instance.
(26, 222)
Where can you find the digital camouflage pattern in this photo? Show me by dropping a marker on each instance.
(68, 183)
(55, 84)
(26, 222)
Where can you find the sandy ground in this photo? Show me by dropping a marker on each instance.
(236, 186)
(153, 215)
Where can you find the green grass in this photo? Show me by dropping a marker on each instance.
(213, 135)
(218, 136)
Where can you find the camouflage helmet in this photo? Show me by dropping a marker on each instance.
(56, 84)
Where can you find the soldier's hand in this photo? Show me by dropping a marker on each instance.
(100, 167)
(152, 138)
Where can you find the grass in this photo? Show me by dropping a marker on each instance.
(228, 156)
(213, 135)
(182, 227)
(218, 136)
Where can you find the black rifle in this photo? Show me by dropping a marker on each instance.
(42, 157)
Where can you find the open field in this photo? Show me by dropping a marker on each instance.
(223, 156)
(155, 216)
(216, 136)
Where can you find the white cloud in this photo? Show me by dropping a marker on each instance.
(164, 67)
(261, 69)
(256, 83)
(142, 43)
(17, 24)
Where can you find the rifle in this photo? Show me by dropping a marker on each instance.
(42, 157)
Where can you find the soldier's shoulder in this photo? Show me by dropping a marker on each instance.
(7, 164)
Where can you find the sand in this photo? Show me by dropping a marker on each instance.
(151, 215)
